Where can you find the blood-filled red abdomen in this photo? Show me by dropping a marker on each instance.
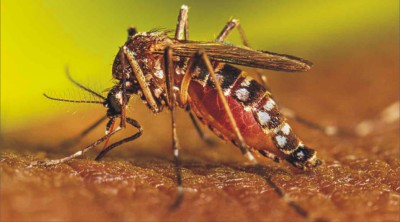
(206, 104)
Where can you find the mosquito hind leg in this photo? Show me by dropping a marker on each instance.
(230, 25)
(133, 123)
(234, 23)
(182, 27)
(328, 130)
(270, 155)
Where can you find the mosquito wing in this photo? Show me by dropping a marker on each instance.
(244, 56)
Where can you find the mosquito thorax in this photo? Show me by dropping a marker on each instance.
(141, 45)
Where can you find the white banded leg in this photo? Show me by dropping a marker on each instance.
(77, 154)
(182, 27)
(175, 141)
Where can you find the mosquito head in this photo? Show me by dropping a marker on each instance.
(304, 158)
(114, 101)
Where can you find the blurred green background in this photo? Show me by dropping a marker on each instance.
(40, 37)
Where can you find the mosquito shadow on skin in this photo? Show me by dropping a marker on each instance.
(267, 173)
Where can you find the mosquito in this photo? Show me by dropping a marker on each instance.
(172, 71)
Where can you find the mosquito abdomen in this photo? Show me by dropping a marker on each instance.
(260, 122)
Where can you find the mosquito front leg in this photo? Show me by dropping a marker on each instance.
(141, 79)
(133, 123)
(124, 99)
(77, 154)
(182, 27)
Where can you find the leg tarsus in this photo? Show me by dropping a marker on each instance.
(76, 154)
(270, 155)
(178, 173)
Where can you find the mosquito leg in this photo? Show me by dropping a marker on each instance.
(182, 27)
(202, 135)
(77, 154)
(175, 141)
(124, 99)
(242, 144)
(234, 23)
(183, 95)
(328, 130)
(182, 33)
(140, 78)
(269, 155)
(109, 127)
(132, 122)
(76, 139)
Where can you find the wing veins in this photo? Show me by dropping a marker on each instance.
(244, 56)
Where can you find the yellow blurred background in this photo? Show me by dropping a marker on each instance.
(40, 37)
